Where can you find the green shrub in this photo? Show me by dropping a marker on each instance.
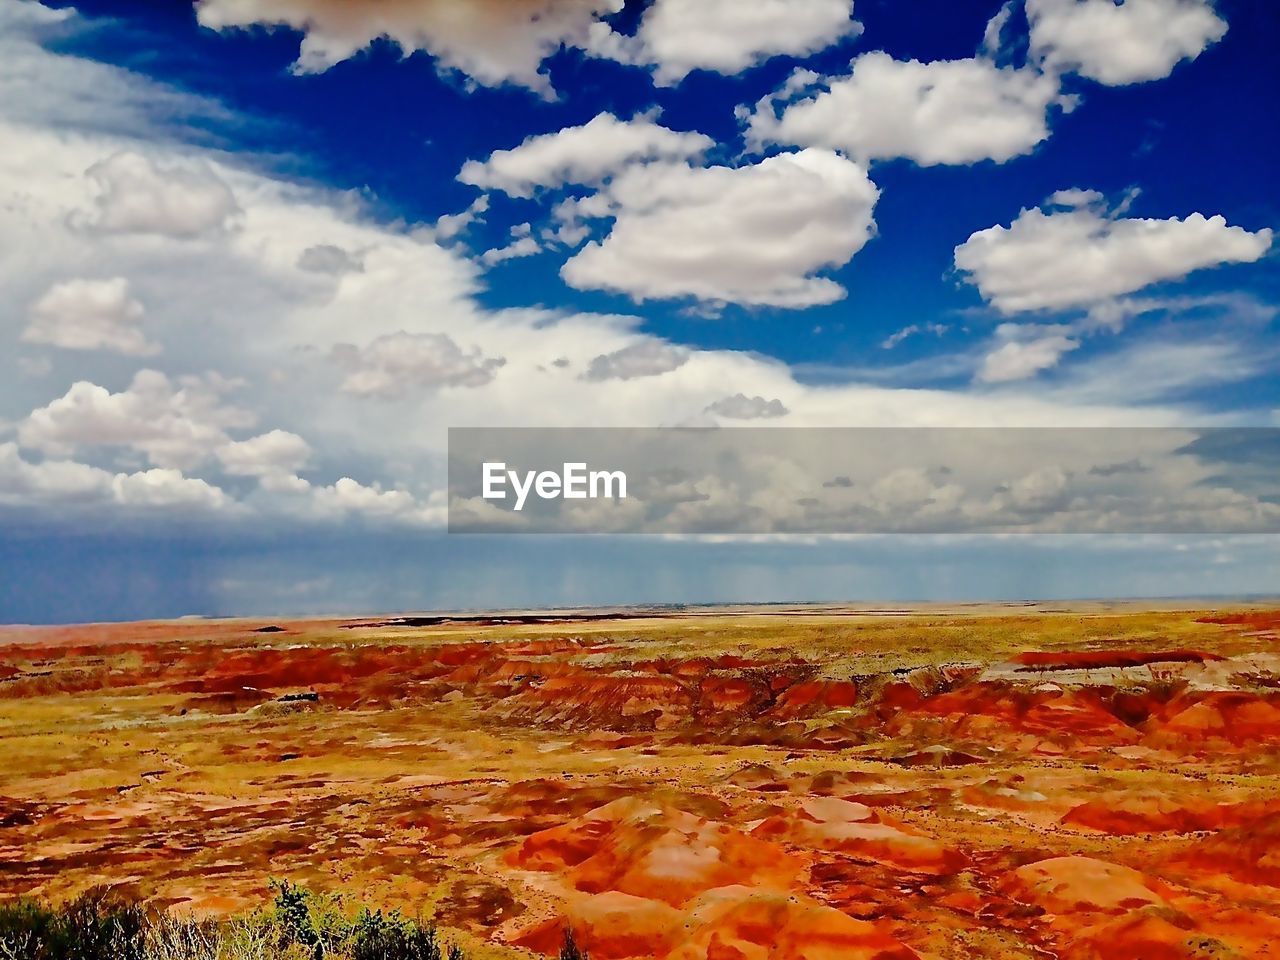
(25, 929)
(293, 909)
(376, 936)
(301, 925)
(92, 927)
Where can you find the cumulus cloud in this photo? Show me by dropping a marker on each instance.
(66, 482)
(348, 497)
(166, 489)
(137, 196)
(581, 155)
(453, 224)
(277, 452)
(944, 112)
(348, 494)
(177, 425)
(1082, 255)
(742, 407)
(523, 244)
(1121, 43)
(90, 315)
(51, 481)
(753, 235)
(646, 358)
(573, 215)
(1024, 351)
(392, 365)
(517, 249)
(677, 37)
(276, 325)
(491, 41)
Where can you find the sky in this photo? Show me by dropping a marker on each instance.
(259, 256)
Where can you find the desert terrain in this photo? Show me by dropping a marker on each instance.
(1022, 781)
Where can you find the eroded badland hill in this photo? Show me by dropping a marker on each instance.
(1018, 782)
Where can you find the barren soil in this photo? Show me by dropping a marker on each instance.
(1082, 781)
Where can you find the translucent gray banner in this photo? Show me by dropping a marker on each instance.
(864, 480)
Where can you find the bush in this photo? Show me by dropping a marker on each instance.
(391, 937)
(25, 929)
(293, 909)
(179, 938)
(92, 927)
(301, 925)
(317, 923)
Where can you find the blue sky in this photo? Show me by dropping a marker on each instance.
(247, 290)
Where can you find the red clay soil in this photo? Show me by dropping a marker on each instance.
(674, 793)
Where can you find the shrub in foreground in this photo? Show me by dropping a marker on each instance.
(300, 925)
(91, 927)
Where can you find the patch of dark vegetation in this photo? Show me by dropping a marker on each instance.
(92, 927)
(309, 697)
(499, 620)
(299, 924)
(570, 949)
(1040, 662)
(316, 923)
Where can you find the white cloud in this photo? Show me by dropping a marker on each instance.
(166, 489)
(172, 425)
(273, 453)
(90, 315)
(74, 94)
(572, 215)
(517, 249)
(243, 306)
(1020, 351)
(66, 482)
(347, 494)
(582, 155)
(391, 365)
(491, 41)
(522, 244)
(742, 407)
(1079, 256)
(754, 235)
(1075, 197)
(1154, 368)
(137, 196)
(947, 111)
(348, 497)
(1121, 43)
(645, 358)
(913, 330)
(51, 481)
(1024, 351)
(725, 36)
(454, 224)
